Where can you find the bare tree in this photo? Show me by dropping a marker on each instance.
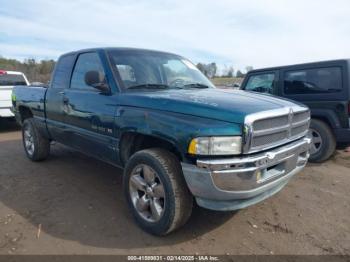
(249, 68)
(230, 71)
(208, 70)
(239, 74)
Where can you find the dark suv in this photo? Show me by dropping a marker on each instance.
(323, 87)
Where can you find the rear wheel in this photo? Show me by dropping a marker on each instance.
(323, 141)
(36, 146)
(156, 191)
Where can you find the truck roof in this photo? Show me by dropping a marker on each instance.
(116, 49)
(311, 64)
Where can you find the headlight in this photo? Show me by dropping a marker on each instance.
(220, 145)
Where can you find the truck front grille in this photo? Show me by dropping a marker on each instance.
(268, 129)
(267, 123)
(268, 139)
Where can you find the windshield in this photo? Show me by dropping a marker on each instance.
(155, 70)
(12, 80)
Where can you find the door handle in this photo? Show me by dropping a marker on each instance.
(61, 92)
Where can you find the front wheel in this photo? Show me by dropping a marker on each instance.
(323, 141)
(156, 191)
(36, 146)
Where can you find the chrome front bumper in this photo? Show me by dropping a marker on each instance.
(235, 183)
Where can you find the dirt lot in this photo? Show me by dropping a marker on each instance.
(77, 202)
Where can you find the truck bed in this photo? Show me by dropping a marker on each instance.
(32, 97)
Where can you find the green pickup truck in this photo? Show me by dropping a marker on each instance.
(178, 138)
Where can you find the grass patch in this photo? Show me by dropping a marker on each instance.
(224, 81)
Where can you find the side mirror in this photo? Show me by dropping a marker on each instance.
(96, 80)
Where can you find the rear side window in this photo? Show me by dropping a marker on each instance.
(86, 62)
(313, 81)
(62, 72)
(262, 83)
(12, 80)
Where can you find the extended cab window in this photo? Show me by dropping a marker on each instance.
(62, 72)
(86, 62)
(262, 83)
(313, 81)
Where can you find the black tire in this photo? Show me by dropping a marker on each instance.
(41, 145)
(327, 146)
(178, 201)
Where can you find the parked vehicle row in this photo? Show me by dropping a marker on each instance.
(178, 138)
(9, 79)
(324, 87)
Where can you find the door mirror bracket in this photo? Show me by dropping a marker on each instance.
(97, 80)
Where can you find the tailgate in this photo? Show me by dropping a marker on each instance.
(5, 96)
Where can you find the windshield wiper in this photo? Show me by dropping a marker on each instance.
(149, 86)
(196, 85)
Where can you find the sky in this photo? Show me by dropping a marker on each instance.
(240, 33)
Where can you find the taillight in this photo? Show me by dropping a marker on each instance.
(3, 72)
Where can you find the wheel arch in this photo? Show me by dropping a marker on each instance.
(24, 112)
(133, 141)
(327, 116)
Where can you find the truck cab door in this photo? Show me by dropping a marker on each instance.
(89, 112)
(54, 102)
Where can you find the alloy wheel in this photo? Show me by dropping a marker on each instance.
(28, 140)
(147, 193)
(316, 141)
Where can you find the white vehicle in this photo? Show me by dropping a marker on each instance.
(9, 79)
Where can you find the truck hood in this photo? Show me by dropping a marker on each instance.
(220, 104)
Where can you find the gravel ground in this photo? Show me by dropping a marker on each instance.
(73, 204)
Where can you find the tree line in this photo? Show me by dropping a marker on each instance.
(40, 71)
(211, 70)
(36, 71)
